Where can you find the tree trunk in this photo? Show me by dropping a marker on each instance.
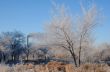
(74, 57)
(33, 57)
(4, 58)
(27, 56)
(80, 50)
(12, 56)
(79, 56)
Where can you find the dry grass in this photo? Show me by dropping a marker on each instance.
(55, 67)
(93, 68)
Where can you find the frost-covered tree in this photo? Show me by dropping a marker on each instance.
(63, 32)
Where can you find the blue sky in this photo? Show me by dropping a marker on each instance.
(30, 15)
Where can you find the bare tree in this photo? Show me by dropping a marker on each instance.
(60, 32)
(12, 41)
(87, 24)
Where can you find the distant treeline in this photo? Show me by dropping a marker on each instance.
(16, 46)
